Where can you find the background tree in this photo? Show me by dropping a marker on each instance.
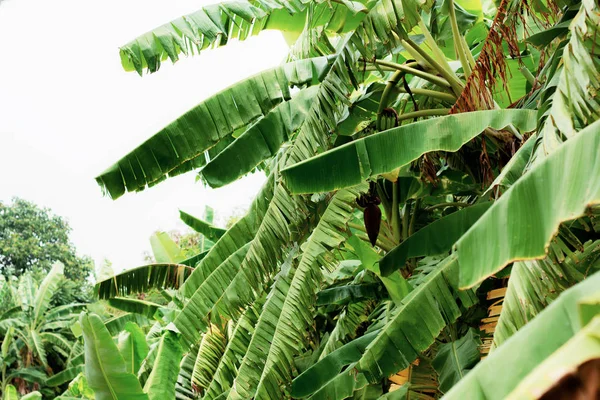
(33, 238)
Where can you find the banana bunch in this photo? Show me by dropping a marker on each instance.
(389, 119)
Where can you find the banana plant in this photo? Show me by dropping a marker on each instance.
(36, 336)
(423, 158)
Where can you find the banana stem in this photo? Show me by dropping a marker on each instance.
(411, 227)
(395, 213)
(458, 40)
(455, 83)
(423, 113)
(421, 74)
(386, 94)
(451, 204)
(431, 93)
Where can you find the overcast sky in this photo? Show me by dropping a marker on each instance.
(68, 111)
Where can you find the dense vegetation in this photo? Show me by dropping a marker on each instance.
(430, 224)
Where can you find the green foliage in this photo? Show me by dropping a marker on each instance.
(397, 129)
(32, 239)
(36, 335)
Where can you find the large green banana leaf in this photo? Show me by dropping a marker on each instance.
(531, 288)
(165, 250)
(207, 229)
(436, 238)
(180, 146)
(522, 222)
(10, 393)
(161, 382)
(383, 152)
(237, 346)
(215, 24)
(46, 291)
(142, 307)
(329, 368)
(210, 351)
(528, 348)
(417, 322)
(297, 308)
(133, 347)
(116, 324)
(251, 367)
(574, 99)
(64, 376)
(454, 359)
(104, 366)
(347, 323)
(584, 347)
(259, 142)
(191, 321)
(350, 294)
(242, 232)
(141, 279)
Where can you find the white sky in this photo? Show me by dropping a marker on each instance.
(68, 111)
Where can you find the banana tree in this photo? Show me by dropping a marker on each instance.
(37, 339)
(423, 159)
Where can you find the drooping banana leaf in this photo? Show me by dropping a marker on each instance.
(237, 346)
(32, 396)
(513, 170)
(191, 322)
(574, 96)
(454, 359)
(532, 286)
(242, 232)
(528, 348)
(249, 372)
(142, 279)
(27, 374)
(330, 367)
(210, 351)
(259, 142)
(207, 229)
(64, 376)
(350, 294)
(416, 323)
(180, 146)
(133, 347)
(161, 382)
(116, 324)
(38, 346)
(583, 348)
(383, 152)
(347, 323)
(297, 308)
(215, 24)
(145, 308)
(522, 222)
(436, 238)
(104, 366)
